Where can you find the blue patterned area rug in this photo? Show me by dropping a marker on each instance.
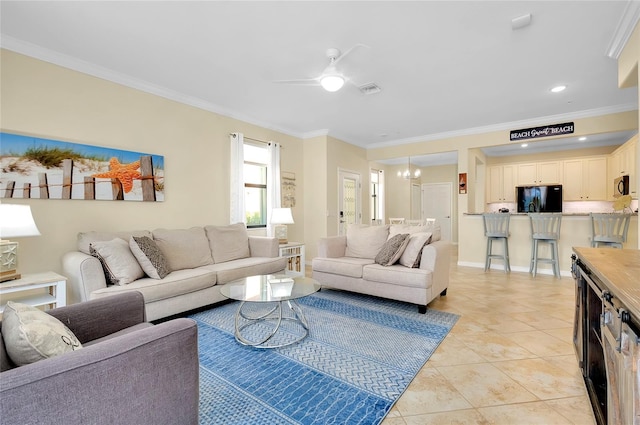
(359, 357)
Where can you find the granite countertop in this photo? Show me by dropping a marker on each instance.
(618, 270)
(567, 214)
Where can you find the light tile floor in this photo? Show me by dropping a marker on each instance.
(509, 359)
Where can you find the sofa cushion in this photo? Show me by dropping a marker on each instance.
(184, 248)
(85, 238)
(413, 252)
(149, 256)
(31, 334)
(178, 282)
(243, 267)
(398, 275)
(365, 241)
(118, 261)
(392, 249)
(347, 266)
(228, 243)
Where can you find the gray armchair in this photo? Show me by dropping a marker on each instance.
(129, 371)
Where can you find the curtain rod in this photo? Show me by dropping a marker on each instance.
(256, 140)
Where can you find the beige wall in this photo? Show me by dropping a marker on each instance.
(46, 100)
(315, 188)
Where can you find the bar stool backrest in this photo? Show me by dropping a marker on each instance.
(496, 225)
(545, 225)
(415, 222)
(609, 227)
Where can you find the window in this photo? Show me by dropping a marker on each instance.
(256, 159)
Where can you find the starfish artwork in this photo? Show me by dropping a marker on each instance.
(125, 173)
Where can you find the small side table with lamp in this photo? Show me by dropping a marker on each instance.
(292, 251)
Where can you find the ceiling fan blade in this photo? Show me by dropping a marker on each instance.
(305, 82)
(342, 56)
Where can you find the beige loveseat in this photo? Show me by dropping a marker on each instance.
(418, 276)
(197, 260)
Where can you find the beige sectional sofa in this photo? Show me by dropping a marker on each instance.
(349, 263)
(197, 261)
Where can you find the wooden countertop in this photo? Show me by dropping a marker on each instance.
(618, 270)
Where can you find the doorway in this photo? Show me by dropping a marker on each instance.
(348, 200)
(436, 203)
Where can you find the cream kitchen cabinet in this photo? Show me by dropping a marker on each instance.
(536, 173)
(585, 179)
(502, 183)
(622, 162)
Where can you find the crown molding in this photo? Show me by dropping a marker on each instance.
(315, 133)
(625, 28)
(533, 122)
(47, 55)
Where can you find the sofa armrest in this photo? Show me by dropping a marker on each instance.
(147, 377)
(263, 246)
(332, 247)
(103, 316)
(84, 275)
(436, 257)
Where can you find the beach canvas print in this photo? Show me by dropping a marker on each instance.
(32, 167)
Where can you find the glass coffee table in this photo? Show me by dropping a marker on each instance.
(260, 315)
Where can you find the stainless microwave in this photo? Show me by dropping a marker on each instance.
(620, 186)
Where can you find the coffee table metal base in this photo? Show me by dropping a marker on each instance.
(274, 317)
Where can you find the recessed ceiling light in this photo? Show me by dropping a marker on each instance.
(524, 145)
(582, 139)
(558, 89)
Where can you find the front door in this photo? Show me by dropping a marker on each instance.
(348, 200)
(436, 203)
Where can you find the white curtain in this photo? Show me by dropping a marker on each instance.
(273, 182)
(237, 214)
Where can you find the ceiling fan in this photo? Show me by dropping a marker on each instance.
(331, 79)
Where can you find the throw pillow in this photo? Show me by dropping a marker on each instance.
(365, 241)
(184, 248)
(392, 250)
(31, 334)
(117, 260)
(149, 256)
(228, 242)
(413, 252)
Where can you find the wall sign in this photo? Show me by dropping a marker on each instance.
(544, 131)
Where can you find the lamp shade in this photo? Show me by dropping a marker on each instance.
(17, 221)
(281, 216)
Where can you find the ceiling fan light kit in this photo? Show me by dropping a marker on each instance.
(332, 83)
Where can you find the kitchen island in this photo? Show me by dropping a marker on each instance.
(575, 231)
(607, 330)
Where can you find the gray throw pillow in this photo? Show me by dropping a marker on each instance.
(392, 250)
(31, 334)
(151, 259)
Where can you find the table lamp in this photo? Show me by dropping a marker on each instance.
(280, 217)
(16, 221)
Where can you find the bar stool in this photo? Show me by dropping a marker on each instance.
(496, 228)
(545, 227)
(609, 229)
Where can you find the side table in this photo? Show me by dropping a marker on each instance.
(55, 283)
(294, 253)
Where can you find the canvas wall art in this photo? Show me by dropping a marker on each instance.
(32, 167)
